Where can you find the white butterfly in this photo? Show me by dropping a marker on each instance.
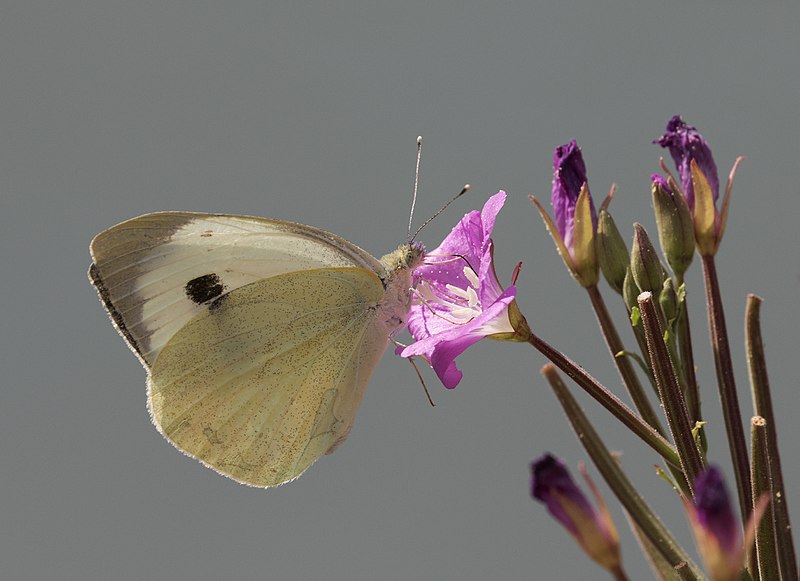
(258, 336)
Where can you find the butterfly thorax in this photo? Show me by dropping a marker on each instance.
(398, 280)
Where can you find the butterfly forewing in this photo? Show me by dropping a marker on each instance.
(155, 272)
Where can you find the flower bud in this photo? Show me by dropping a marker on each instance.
(630, 291)
(700, 182)
(675, 228)
(612, 253)
(569, 178)
(573, 229)
(592, 529)
(716, 529)
(646, 268)
(668, 300)
(686, 144)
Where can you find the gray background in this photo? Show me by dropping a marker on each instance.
(309, 111)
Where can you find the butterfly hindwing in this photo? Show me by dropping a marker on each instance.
(261, 385)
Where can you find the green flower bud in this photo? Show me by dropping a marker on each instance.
(612, 253)
(630, 291)
(647, 271)
(668, 300)
(675, 228)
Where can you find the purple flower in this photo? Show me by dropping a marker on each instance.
(592, 529)
(716, 529)
(569, 177)
(659, 181)
(685, 144)
(458, 300)
(713, 508)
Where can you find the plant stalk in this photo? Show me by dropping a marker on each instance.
(727, 387)
(762, 403)
(626, 493)
(670, 391)
(687, 360)
(624, 366)
(608, 400)
(764, 560)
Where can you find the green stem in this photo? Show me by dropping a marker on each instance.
(687, 360)
(626, 371)
(638, 332)
(762, 403)
(628, 496)
(608, 400)
(669, 390)
(764, 560)
(727, 387)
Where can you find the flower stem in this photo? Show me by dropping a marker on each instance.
(762, 403)
(624, 490)
(618, 573)
(669, 390)
(626, 371)
(764, 560)
(687, 360)
(608, 400)
(727, 387)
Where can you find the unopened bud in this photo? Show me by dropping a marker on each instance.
(612, 253)
(646, 267)
(674, 222)
(668, 300)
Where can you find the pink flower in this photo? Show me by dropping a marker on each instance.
(458, 300)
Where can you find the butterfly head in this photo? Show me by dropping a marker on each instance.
(406, 257)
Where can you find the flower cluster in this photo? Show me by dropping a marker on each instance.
(458, 301)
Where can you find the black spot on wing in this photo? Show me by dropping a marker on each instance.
(204, 288)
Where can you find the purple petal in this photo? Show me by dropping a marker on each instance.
(685, 144)
(468, 242)
(550, 483)
(660, 181)
(569, 176)
(714, 510)
(458, 282)
(442, 347)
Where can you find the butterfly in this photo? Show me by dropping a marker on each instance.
(258, 336)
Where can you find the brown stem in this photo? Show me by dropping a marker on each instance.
(727, 387)
(762, 402)
(764, 559)
(608, 400)
(623, 363)
(618, 482)
(669, 389)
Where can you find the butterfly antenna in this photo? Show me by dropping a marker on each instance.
(463, 191)
(416, 187)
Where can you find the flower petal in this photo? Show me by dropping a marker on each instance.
(685, 144)
(442, 348)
